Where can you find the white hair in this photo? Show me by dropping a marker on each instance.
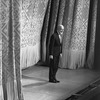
(60, 27)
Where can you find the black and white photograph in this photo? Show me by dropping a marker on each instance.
(49, 49)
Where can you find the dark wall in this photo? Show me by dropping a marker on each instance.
(97, 41)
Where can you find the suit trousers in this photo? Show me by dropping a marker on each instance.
(53, 67)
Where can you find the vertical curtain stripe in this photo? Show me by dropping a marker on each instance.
(79, 34)
(1, 96)
(52, 24)
(93, 14)
(68, 23)
(61, 11)
(16, 27)
(60, 19)
(10, 50)
(4, 28)
(44, 32)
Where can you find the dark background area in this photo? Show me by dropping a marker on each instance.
(97, 40)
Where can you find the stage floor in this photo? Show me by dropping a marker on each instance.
(36, 86)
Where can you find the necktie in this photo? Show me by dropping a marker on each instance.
(60, 38)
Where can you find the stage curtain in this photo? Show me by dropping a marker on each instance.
(53, 16)
(67, 22)
(1, 92)
(79, 20)
(75, 42)
(44, 32)
(32, 15)
(10, 66)
(60, 19)
(74, 53)
(91, 34)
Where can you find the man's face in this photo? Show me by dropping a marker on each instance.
(61, 31)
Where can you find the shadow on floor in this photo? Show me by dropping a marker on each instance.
(33, 78)
(36, 84)
(38, 81)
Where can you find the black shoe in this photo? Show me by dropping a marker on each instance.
(57, 81)
(52, 81)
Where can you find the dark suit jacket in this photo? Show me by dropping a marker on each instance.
(55, 47)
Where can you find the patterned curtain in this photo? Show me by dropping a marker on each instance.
(79, 33)
(75, 35)
(44, 32)
(1, 95)
(91, 33)
(67, 22)
(49, 26)
(75, 48)
(60, 19)
(32, 15)
(10, 30)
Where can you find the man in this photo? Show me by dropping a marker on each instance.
(55, 50)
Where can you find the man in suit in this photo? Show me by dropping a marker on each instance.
(55, 50)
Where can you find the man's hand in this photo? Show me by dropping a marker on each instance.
(61, 55)
(51, 56)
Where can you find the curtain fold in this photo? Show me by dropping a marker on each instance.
(97, 40)
(61, 11)
(10, 30)
(53, 17)
(60, 16)
(1, 90)
(52, 24)
(68, 23)
(45, 31)
(91, 34)
(16, 36)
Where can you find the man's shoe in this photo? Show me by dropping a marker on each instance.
(57, 81)
(52, 81)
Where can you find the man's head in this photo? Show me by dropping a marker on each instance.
(60, 29)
